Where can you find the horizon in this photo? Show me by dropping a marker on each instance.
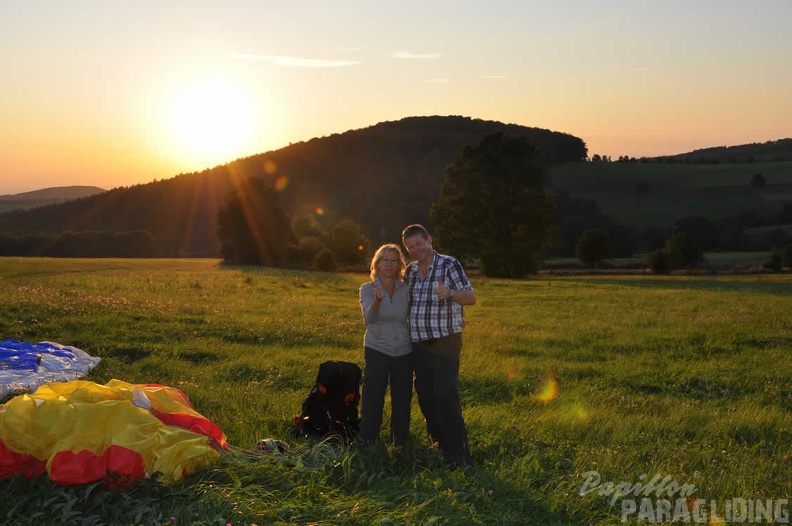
(98, 95)
(209, 167)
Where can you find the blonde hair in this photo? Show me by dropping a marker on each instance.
(378, 256)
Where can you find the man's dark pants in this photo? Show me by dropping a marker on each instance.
(437, 387)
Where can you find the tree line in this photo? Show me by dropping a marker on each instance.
(765, 152)
(88, 244)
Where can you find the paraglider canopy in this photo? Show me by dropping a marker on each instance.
(81, 432)
(24, 366)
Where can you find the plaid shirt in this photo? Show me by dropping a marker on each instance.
(431, 317)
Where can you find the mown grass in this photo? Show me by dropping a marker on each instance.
(680, 376)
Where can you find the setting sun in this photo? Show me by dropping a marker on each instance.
(211, 121)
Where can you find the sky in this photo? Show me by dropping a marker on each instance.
(107, 93)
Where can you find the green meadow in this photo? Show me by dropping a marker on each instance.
(672, 191)
(571, 386)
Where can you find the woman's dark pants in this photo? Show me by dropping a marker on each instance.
(380, 370)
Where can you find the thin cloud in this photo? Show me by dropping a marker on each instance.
(437, 81)
(495, 77)
(296, 62)
(641, 70)
(416, 56)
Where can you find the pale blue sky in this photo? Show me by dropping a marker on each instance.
(111, 94)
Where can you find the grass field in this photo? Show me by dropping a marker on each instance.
(627, 377)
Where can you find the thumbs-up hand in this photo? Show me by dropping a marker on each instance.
(442, 291)
(379, 290)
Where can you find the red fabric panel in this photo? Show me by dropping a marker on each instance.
(12, 463)
(196, 424)
(118, 467)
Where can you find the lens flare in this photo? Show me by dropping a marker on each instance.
(716, 521)
(576, 411)
(270, 167)
(548, 390)
(319, 211)
(281, 183)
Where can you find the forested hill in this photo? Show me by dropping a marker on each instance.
(759, 152)
(45, 196)
(382, 177)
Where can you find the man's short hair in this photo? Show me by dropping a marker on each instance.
(415, 229)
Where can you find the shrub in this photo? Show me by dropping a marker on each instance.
(592, 246)
(786, 254)
(660, 261)
(349, 244)
(684, 249)
(775, 262)
(304, 252)
(325, 260)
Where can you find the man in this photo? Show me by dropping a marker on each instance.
(439, 288)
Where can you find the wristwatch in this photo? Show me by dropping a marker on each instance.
(451, 294)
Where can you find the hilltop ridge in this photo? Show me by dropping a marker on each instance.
(382, 177)
(46, 196)
(759, 152)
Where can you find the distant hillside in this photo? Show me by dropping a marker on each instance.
(654, 194)
(46, 196)
(766, 152)
(383, 177)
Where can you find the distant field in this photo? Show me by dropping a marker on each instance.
(718, 260)
(674, 190)
(628, 377)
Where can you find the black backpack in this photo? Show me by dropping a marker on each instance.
(331, 407)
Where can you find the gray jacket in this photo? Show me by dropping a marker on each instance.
(386, 328)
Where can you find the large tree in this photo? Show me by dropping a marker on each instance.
(252, 227)
(493, 207)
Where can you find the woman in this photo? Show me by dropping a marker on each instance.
(385, 303)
